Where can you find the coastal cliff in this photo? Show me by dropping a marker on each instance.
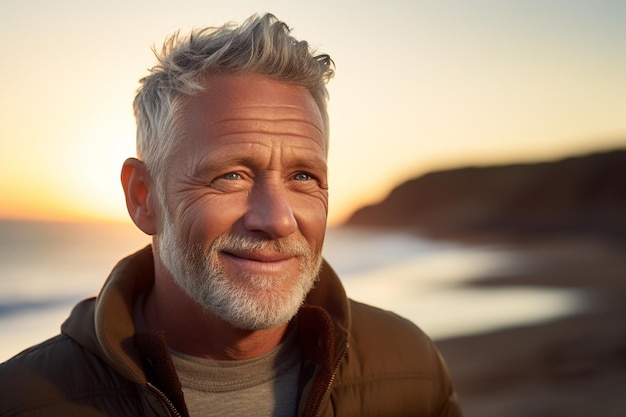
(582, 194)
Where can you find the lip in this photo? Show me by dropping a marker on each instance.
(265, 257)
(265, 263)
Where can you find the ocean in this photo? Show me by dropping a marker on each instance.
(46, 268)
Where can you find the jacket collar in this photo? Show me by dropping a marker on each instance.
(324, 320)
(111, 334)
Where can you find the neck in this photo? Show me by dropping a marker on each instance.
(191, 330)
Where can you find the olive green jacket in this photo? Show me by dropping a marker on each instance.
(360, 361)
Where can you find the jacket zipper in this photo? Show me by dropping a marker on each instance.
(164, 399)
(330, 382)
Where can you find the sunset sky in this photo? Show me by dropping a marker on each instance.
(419, 86)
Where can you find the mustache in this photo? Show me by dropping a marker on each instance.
(288, 246)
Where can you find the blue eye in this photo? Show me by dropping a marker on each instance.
(231, 176)
(302, 176)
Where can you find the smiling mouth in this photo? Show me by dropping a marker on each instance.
(263, 257)
(273, 264)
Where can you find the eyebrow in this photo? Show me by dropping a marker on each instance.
(316, 165)
(211, 162)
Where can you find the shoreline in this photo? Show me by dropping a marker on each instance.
(571, 366)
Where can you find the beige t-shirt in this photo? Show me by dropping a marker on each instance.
(263, 386)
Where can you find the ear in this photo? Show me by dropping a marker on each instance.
(140, 192)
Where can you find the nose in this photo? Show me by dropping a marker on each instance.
(270, 212)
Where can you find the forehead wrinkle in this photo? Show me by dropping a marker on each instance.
(308, 108)
(260, 120)
(301, 130)
(267, 132)
(251, 143)
(277, 108)
(303, 113)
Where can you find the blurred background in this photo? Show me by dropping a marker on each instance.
(477, 177)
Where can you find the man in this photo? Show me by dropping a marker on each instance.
(231, 310)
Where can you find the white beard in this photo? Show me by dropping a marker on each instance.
(250, 302)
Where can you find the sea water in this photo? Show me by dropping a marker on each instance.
(46, 268)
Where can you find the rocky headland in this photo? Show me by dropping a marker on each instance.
(578, 195)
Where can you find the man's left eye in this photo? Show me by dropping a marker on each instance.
(231, 176)
(302, 176)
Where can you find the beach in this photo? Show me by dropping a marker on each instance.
(571, 366)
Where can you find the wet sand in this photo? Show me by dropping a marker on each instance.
(575, 366)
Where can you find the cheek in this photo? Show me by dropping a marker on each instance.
(312, 223)
(207, 218)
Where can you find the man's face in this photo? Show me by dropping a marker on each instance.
(244, 212)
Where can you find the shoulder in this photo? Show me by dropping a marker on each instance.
(383, 330)
(53, 375)
(391, 368)
(383, 343)
(41, 359)
(386, 346)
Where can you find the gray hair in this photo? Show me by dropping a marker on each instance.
(261, 45)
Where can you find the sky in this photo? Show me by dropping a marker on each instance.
(419, 86)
